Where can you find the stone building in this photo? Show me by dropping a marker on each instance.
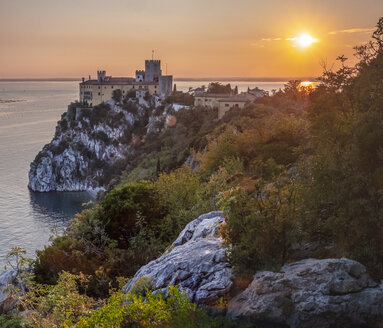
(235, 101)
(149, 81)
(225, 101)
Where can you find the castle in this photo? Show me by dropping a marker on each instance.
(149, 81)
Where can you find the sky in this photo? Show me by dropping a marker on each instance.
(195, 38)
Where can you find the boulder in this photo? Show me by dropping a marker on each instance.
(195, 262)
(7, 303)
(312, 293)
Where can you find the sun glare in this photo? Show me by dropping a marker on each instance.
(306, 84)
(305, 40)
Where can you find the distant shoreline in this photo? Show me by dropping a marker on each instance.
(181, 79)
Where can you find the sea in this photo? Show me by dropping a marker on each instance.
(29, 111)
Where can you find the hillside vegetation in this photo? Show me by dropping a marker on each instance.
(298, 173)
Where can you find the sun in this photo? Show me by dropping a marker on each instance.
(304, 40)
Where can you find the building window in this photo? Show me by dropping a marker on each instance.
(112, 86)
(226, 105)
(99, 87)
(99, 93)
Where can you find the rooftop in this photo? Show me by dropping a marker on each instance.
(243, 97)
(215, 95)
(117, 80)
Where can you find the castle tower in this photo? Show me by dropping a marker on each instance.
(140, 76)
(152, 70)
(101, 76)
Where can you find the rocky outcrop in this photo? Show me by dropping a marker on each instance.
(87, 144)
(195, 262)
(312, 293)
(7, 303)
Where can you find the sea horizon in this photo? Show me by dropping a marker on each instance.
(179, 79)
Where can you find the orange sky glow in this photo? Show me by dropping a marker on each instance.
(216, 38)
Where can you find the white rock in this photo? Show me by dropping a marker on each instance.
(196, 263)
(314, 294)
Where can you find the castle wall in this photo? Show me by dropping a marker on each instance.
(97, 93)
(165, 85)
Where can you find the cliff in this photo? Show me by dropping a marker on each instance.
(91, 145)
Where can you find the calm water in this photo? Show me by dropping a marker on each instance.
(26, 218)
(26, 125)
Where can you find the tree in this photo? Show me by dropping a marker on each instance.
(217, 87)
(117, 95)
(345, 184)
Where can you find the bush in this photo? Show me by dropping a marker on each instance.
(101, 135)
(117, 95)
(261, 225)
(99, 113)
(10, 321)
(125, 209)
(142, 286)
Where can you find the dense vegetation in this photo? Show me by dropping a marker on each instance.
(300, 167)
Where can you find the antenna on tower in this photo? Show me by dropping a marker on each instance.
(152, 54)
(166, 68)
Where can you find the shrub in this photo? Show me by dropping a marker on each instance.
(261, 224)
(142, 286)
(123, 207)
(99, 113)
(117, 95)
(101, 135)
(10, 321)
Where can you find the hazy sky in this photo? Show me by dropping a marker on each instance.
(196, 38)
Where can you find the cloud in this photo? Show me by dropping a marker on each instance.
(353, 30)
(269, 39)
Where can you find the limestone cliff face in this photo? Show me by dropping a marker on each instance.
(87, 145)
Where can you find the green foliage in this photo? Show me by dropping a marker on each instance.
(347, 169)
(117, 95)
(182, 98)
(172, 146)
(99, 113)
(142, 286)
(183, 193)
(10, 321)
(217, 87)
(275, 136)
(153, 310)
(130, 107)
(123, 208)
(261, 225)
(101, 135)
(110, 315)
(112, 239)
(130, 95)
(57, 306)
